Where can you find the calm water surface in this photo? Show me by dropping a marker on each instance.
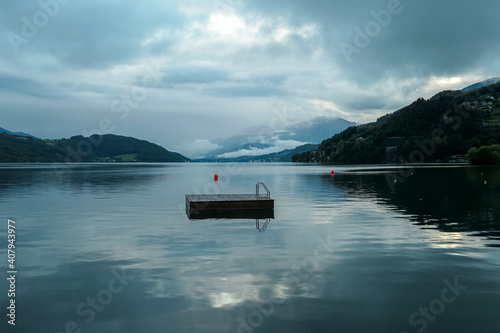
(108, 248)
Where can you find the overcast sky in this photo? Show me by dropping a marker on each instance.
(177, 71)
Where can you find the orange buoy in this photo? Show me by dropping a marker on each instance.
(216, 177)
(333, 172)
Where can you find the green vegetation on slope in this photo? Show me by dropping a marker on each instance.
(96, 148)
(438, 129)
(486, 155)
(14, 148)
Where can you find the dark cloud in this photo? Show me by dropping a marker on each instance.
(9, 84)
(431, 38)
(366, 104)
(259, 86)
(248, 91)
(220, 82)
(194, 75)
(93, 34)
(425, 38)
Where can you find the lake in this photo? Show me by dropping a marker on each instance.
(108, 248)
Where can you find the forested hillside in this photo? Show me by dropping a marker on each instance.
(105, 148)
(442, 128)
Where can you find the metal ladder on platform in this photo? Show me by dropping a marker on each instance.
(257, 188)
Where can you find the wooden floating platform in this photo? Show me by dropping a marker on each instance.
(230, 205)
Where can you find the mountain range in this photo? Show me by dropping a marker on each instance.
(392, 138)
(3, 130)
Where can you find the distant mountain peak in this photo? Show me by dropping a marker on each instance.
(3, 130)
(481, 84)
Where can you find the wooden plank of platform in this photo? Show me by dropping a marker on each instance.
(196, 203)
(231, 214)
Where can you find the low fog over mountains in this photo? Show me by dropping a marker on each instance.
(262, 140)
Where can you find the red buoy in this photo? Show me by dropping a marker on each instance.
(333, 172)
(216, 177)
